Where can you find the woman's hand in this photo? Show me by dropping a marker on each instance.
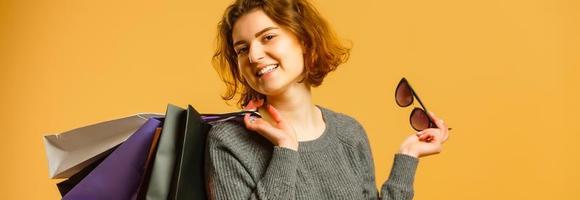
(426, 142)
(280, 133)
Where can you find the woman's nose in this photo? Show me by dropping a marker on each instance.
(256, 53)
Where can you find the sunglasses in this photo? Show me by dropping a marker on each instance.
(404, 96)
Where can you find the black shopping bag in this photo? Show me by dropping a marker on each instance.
(178, 169)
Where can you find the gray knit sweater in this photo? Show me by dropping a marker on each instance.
(241, 164)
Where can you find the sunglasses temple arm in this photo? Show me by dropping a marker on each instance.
(418, 99)
(431, 123)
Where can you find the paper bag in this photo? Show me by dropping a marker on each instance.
(71, 151)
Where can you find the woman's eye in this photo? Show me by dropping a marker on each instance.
(242, 50)
(269, 37)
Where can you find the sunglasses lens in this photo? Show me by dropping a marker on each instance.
(403, 94)
(419, 119)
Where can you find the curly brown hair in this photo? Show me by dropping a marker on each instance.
(323, 51)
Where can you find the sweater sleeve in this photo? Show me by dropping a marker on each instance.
(400, 182)
(228, 178)
(399, 186)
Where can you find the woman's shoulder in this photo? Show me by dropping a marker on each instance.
(339, 119)
(231, 139)
(347, 128)
(233, 134)
(226, 129)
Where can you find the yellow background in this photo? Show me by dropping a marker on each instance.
(503, 74)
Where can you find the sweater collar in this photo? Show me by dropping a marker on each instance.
(323, 140)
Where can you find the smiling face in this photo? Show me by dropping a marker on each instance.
(270, 58)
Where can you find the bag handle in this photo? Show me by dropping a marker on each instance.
(214, 118)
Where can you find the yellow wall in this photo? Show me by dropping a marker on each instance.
(503, 74)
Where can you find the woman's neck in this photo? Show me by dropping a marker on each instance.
(296, 106)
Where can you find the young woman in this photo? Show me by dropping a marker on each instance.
(271, 52)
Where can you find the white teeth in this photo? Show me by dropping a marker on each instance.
(267, 69)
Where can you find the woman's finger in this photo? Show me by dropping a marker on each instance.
(419, 133)
(436, 133)
(249, 106)
(436, 120)
(439, 122)
(258, 103)
(259, 125)
(433, 117)
(276, 116)
(445, 132)
(254, 104)
(426, 137)
(249, 122)
(252, 123)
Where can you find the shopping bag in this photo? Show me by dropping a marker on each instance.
(119, 175)
(142, 191)
(189, 174)
(183, 153)
(71, 151)
(168, 149)
(65, 186)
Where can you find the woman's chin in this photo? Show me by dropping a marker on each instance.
(278, 87)
(271, 89)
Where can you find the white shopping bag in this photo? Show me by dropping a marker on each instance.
(71, 151)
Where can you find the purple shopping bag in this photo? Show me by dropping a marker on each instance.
(118, 176)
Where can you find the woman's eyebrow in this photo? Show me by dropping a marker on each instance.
(257, 34)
